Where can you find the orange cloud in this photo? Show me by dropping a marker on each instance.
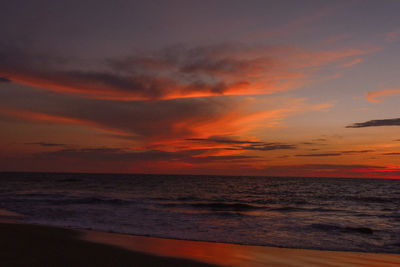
(334, 39)
(352, 63)
(241, 122)
(392, 36)
(185, 73)
(43, 117)
(379, 96)
(321, 58)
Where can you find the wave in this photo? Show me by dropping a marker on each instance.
(91, 200)
(216, 206)
(297, 209)
(330, 227)
(374, 199)
(69, 180)
(9, 214)
(229, 206)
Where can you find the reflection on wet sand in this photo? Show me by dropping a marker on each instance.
(241, 255)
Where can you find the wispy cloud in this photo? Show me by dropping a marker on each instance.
(334, 39)
(391, 154)
(392, 36)
(223, 140)
(270, 147)
(51, 118)
(297, 24)
(334, 170)
(177, 72)
(380, 95)
(198, 122)
(4, 80)
(45, 144)
(357, 151)
(117, 154)
(232, 144)
(319, 155)
(352, 63)
(375, 123)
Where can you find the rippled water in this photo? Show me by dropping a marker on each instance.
(318, 213)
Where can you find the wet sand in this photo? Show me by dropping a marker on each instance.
(224, 254)
(33, 245)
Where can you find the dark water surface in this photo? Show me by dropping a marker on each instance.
(317, 213)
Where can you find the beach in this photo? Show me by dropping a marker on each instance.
(99, 220)
(303, 213)
(35, 245)
(200, 133)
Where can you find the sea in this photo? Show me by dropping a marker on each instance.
(311, 213)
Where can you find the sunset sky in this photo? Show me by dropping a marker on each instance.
(288, 88)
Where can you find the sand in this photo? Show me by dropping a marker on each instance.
(224, 254)
(33, 245)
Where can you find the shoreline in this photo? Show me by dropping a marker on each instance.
(7, 216)
(86, 230)
(141, 250)
(37, 245)
(228, 254)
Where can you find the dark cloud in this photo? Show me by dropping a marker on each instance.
(374, 123)
(243, 144)
(338, 166)
(319, 155)
(315, 142)
(391, 154)
(116, 154)
(212, 60)
(209, 159)
(269, 147)
(46, 144)
(356, 151)
(111, 154)
(222, 140)
(172, 73)
(161, 119)
(4, 80)
(334, 153)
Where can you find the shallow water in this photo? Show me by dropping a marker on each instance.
(317, 213)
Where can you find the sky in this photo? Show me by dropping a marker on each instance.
(274, 88)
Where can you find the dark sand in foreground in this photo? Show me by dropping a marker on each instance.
(33, 245)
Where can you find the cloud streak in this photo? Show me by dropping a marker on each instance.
(233, 144)
(50, 118)
(334, 170)
(45, 144)
(110, 154)
(380, 95)
(176, 72)
(4, 80)
(376, 123)
(392, 36)
(319, 155)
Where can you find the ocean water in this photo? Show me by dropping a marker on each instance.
(316, 213)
